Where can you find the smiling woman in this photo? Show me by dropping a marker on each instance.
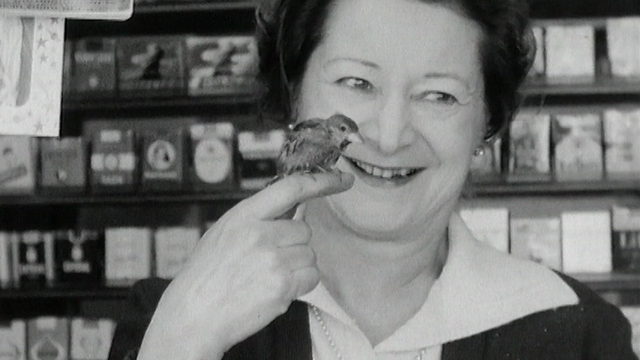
(379, 266)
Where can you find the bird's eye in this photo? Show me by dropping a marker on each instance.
(343, 128)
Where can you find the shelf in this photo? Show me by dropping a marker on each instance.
(91, 104)
(610, 282)
(555, 188)
(86, 294)
(599, 86)
(219, 5)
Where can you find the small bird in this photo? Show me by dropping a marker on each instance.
(315, 145)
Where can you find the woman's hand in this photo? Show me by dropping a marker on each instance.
(245, 271)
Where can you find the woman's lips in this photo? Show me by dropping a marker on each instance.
(382, 176)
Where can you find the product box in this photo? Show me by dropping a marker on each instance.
(173, 246)
(127, 255)
(538, 240)
(623, 46)
(625, 225)
(48, 338)
(577, 147)
(95, 67)
(632, 313)
(163, 159)
(570, 52)
(488, 167)
(538, 67)
(17, 164)
(622, 143)
(218, 65)
(529, 147)
(259, 152)
(13, 340)
(67, 68)
(212, 154)
(6, 267)
(113, 161)
(489, 225)
(78, 258)
(91, 338)
(63, 165)
(150, 66)
(586, 241)
(33, 256)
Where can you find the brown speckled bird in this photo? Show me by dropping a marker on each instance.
(315, 145)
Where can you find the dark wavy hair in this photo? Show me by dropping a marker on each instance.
(288, 31)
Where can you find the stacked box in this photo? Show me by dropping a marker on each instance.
(33, 256)
(488, 167)
(538, 67)
(13, 340)
(150, 66)
(212, 152)
(48, 338)
(219, 65)
(570, 52)
(6, 269)
(163, 159)
(17, 164)
(489, 225)
(259, 152)
(625, 239)
(529, 147)
(63, 165)
(586, 242)
(577, 147)
(173, 246)
(67, 68)
(113, 161)
(622, 143)
(538, 240)
(127, 255)
(78, 258)
(91, 338)
(95, 67)
(623, 46)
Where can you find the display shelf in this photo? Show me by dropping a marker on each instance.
(219, 5)
(555, 188)
(599, 86)
(90, 104)
(80, 294)
(610, 281)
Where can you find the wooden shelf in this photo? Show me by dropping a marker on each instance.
(91, 104)
(555, 188)
(86, 294)
(211, 5)
(610, 282)
(598, 86)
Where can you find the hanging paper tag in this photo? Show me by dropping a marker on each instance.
(78, 9)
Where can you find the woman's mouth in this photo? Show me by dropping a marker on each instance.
(384, 173)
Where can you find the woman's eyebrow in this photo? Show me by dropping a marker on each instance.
(356, 60)
(468, 84)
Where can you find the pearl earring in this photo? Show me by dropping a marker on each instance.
(479, 151)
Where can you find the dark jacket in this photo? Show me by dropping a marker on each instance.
(591, 330)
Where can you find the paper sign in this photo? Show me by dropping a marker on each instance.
(31, 51)
(79, 9)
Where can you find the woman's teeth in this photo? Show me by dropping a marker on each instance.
(384, 173)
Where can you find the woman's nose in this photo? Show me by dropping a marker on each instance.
(391, 126)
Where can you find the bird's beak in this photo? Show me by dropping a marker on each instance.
(355, 138)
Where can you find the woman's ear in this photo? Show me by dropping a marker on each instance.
(479, 158)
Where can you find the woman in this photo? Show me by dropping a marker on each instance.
(379, 268)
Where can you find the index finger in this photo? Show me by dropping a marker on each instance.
(284, 194)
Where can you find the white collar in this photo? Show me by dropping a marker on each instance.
(479, 289)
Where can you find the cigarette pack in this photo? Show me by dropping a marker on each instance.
(127, 255)
(150, 66)
(95, 67)
(6, 268)
(570, 52)
(34, 259)
(163, 159)
(219, 65)
(17, 164)
(538, 240)
(529, 147)
(622, 143)
(173, 246)
(67, 68)
(489, 225)
(625, 223)
(586, 241)
(212, 154)
(623, 45)
(91, 338)
(259, 152)
(48, 338)
(78, 258)
(113, 161)
(63, 165)
(538, 67)
(632, 313)
(577, 147)
(13, 340)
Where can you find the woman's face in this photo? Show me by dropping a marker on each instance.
(409, 74)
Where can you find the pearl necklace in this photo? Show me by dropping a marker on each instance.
(339, 356)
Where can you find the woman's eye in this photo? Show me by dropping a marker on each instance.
(356, 83)
(438, 96)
